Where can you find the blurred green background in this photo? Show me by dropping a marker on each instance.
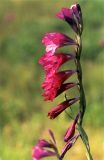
(22, 110)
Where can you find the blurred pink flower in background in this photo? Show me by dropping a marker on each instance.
(9, 16)
(102, 42)
(38, 153)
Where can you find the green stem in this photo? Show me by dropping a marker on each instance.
(82, 94)
(79, 74)
(85, 140)
(57, 152)
(82, 106)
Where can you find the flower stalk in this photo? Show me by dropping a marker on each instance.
(82, 106)
(54, 84)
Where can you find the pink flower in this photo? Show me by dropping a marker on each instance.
(71, 130)
(53, 62)
(43, 143)
(68, 15)
(10, 16)
(102, 42)
(53, 83)
(61, 107)
(38, 153)
(72, 16)
(41, 151)
(54, 40)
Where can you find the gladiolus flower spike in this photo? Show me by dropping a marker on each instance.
(54, 84)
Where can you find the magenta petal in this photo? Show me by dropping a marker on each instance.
(52, 63)
(38, 153)
(65, 87)
(53, 82)
(61, 107)
(65, 12)
(43, 143)
(68, 15)
(71, 130)
(69, 133)
(54, 40)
